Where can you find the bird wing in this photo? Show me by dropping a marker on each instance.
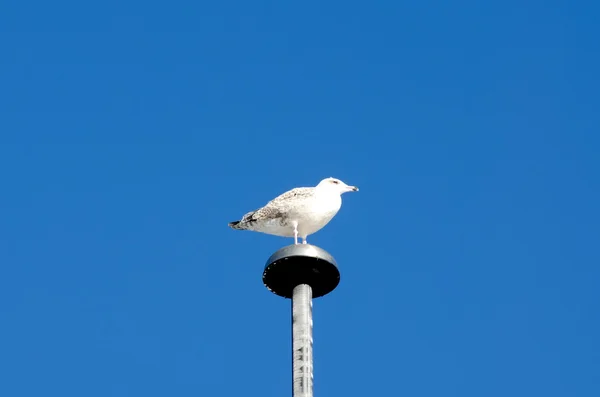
(276, 207)
(298, 193)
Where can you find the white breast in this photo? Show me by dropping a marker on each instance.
(318, 212)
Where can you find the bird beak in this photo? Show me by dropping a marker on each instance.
(353, 188)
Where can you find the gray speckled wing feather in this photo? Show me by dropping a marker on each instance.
(298, 193)
(274, 209)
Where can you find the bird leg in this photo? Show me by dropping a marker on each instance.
(304, 240)
(295, 232)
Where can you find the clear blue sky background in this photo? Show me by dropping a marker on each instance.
(132, 132)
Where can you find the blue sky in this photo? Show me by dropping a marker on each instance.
(132, 132)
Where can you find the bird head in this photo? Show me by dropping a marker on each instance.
(336, 185)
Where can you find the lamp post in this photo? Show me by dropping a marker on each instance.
(301, 272)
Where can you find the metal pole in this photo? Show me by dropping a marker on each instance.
(301, 272)
(302, 341)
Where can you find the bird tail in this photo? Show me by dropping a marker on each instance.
(244, 223)
(236, 225)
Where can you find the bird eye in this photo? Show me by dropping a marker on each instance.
(336, 182)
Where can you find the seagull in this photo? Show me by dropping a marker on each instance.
(299, 212)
